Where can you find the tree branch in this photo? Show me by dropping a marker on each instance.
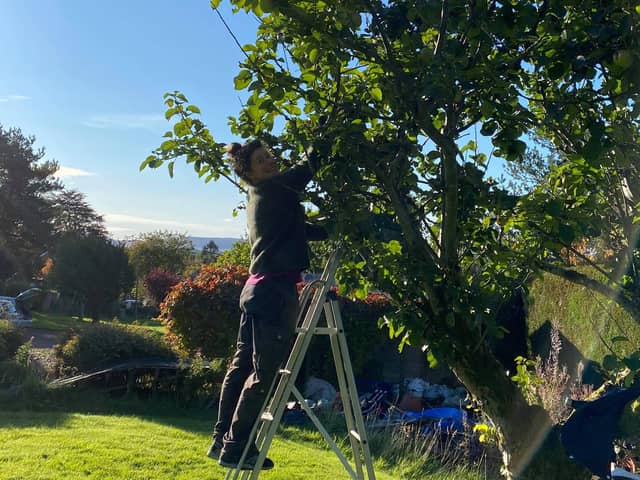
(442, 29)
(449, 232)
(631, 307)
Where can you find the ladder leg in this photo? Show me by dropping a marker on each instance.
(351, 385)
(345, 394)
(252, 436)
(283, 384)
(324, 433)
(286, 382)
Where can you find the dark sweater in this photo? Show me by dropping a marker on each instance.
(276, 221)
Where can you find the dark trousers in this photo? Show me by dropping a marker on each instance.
(267, 324)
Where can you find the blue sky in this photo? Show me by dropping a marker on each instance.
(87, 79)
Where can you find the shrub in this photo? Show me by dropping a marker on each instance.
(201, 315)
(201, 381)
(102, 345)
(158, 283)
(360, 319)
(239, 254)
(10, 340)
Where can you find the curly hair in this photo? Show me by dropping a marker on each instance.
(240, 157)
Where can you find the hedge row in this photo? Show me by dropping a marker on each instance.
(201, 315)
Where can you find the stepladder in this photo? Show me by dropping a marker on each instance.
(317, 301)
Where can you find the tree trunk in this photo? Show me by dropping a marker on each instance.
(523, 429)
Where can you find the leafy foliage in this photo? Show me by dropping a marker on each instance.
(92, 270)
(26, 187)
(170, 251)
(158, 283)
(209, 252)
(74, 216)
(387, 91)
(364, 338)
(201, 315)
(102, 345)
(239, 254)
(10, 340)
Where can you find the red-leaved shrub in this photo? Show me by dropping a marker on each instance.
(202, 315)
(158, 283)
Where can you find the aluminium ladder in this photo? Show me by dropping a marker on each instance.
(265, 427)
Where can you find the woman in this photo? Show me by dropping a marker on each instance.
(278, 235)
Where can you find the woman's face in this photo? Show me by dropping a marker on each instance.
(263, 166)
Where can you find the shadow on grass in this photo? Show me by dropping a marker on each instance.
(59, 403)
(29, 419)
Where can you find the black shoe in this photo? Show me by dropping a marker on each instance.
(248, 464)
(214, 450)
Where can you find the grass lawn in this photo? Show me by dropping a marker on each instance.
(55, 445)
(53, 321)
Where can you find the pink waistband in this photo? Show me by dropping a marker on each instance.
(256, 278)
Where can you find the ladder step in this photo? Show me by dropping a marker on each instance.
(267, 417)
(326, 331)
(356, 435)
(301, 330)
(284, 371)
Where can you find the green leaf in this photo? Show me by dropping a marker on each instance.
(433, 361)
(181, 129)
(471, 145)
(638, 9)
(554, 208)
(361, 294)
(313, 55)
(632, 362)
(376, 93)
(193, 108)
(242, 80)
(147, 161)
(170, 113)
(215, 3)
(170, 167)
(610, 362)
(566, 233)
(254, 112)
(619, 339)
(168, 145)
(394, 247)
(276, 93)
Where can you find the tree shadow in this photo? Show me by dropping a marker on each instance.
(511, 317)
(30, 419)
(569, 355)
(53, 407)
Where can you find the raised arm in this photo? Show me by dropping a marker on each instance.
(300, 175)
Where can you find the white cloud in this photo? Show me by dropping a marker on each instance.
(119, 224)
(14, 98)
(67, 172)
(125, 120)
